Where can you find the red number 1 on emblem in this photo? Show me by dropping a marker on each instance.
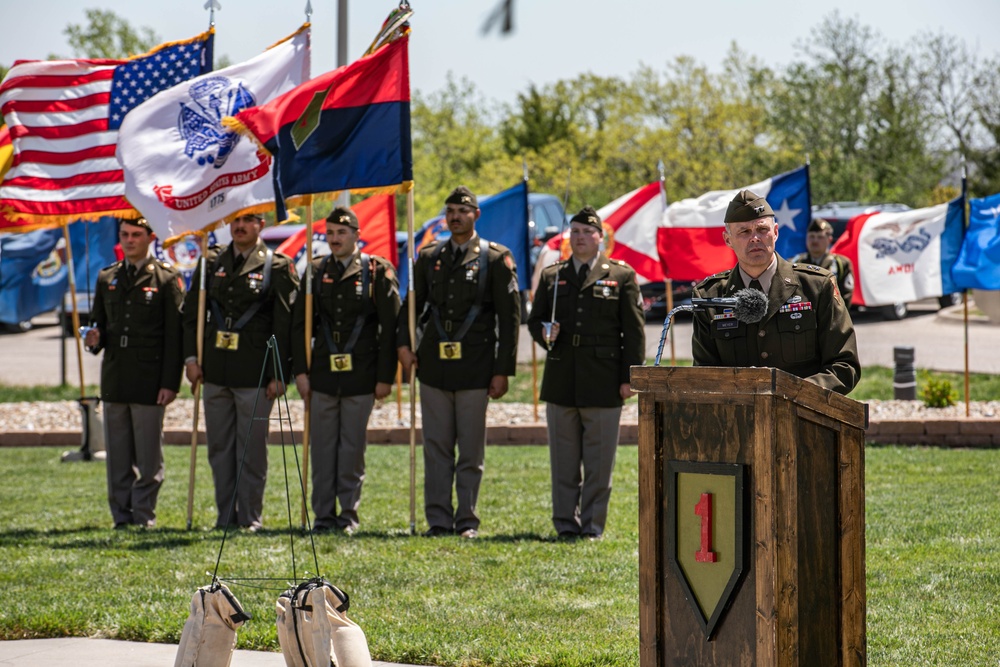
(704, 510)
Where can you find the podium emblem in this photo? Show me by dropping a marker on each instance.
(705, 534)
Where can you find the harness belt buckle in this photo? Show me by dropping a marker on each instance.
(123, 342)
(336, 337)
(447, 326)
(576, 340)
(229, 324)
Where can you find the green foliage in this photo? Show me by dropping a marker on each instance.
(107, 35)
(879, 123)
(937, 392)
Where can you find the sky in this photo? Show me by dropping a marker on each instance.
(553, 39)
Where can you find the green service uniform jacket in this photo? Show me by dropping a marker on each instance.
(807, 330)
(839, 266)
(140, 327)
(339, 303)
(235, 293)
(601, 332)
(450, 285)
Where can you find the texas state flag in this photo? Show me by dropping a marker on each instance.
(903, 257)
(690, 241)
(376, 224)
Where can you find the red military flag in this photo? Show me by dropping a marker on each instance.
(376, 223)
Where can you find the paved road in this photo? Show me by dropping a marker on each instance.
(34, 357)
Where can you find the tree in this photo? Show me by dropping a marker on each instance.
(107, 35)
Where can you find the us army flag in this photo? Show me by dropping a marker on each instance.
(183, 170)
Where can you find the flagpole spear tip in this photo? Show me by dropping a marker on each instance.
(309, 10)
(211, 6)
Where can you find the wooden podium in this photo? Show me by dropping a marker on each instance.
(751, 519)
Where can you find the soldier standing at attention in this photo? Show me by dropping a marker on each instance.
(136, 320)
(250, 293)
(356, 302)
(596, 336)
(807, 330)
(469, 288)
(819, 238)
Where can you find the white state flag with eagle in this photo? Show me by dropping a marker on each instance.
(183, 170)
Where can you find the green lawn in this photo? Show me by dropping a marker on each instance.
(513, 597)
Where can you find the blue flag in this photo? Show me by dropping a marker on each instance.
(503, 219)
(978, 262)
(33, 273)
(789, 197)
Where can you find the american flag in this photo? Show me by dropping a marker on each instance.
(64, 116)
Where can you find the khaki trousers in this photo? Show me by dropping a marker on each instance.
(133, 434)
(584, 438)
(230, 416)
(450, 418)
(338, 431)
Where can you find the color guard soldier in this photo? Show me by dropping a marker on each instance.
(356, 302)
(136, 320)
(594, 337)
(807, 330)
(819, 238)
(250, 290)
(469, 288)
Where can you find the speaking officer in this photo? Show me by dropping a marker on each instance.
(469, 288)
(596, 336)
(250, 290)
(356, 302)
(136, 320)
(819, 238)
(807, 330)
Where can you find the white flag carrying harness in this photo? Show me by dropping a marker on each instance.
(209, 635)
(314, 631)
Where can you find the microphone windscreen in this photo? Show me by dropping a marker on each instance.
(751, 305)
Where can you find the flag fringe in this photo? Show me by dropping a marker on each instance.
(305, 26)
(234, 124)
(12, 222)
(166, 45)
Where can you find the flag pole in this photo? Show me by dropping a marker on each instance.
(307, 415)
(196, 389)
(76, 311)
(411, 319)
(534, 352)
(399, 392)
(965, 292)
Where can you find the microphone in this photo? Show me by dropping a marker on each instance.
(749, 305)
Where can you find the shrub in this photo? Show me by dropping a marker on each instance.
(938, 393)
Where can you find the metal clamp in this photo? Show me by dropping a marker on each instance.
(576, 340)
(336, 337)
(447, 326)
(123, 342)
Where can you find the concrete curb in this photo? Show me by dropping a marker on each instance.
(972, 432)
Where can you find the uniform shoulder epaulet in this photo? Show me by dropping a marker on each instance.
(721, 275)
(494, 245)
(113, 266)
(555, 266)
(162, 263)
(810, 268)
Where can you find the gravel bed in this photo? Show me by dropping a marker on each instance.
(65, 415)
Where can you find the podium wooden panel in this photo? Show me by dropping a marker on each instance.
(800, 599)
